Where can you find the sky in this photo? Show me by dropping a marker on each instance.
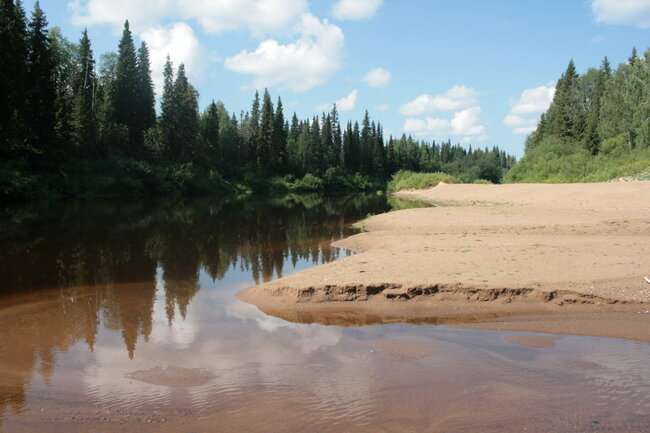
(476, 72)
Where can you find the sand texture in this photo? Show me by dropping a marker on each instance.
(484, 252)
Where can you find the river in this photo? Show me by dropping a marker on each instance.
(122, 318)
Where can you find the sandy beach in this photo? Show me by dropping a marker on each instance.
(566, 259)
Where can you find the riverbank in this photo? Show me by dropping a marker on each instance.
(565, 258)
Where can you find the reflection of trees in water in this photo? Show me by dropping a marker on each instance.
(92, 263)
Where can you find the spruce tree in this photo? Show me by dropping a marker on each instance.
(186, 118)
(254, 131)
(167, 112)
(41, 93)
(280, 137)
(84, 99)
(265, 143)
(124, 90)
(146, 100)
(13, 73)
(210, 133)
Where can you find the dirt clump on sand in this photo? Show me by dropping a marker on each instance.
(488, 254)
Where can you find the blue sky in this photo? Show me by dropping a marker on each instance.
(474, 71)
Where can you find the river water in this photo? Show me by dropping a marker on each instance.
(123, 318)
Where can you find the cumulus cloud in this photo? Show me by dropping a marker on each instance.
(355, 9)
(524, 115)
(346, 103)
(466, 125)
(298, 66)
(454, 99)
(257, 16)
(622, 12)
(377, 77)
(177, 41)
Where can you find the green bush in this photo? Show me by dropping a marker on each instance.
(410, 180)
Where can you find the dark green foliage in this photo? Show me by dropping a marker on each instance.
(85, 87)
(210, 134)
(86, 130)
(123, 94)
(40, 119)
(13, 72)
(597, 128)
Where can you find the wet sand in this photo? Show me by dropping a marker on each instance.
(568, 259)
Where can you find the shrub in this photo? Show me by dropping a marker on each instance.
(409, 180)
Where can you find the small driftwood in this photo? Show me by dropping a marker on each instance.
(647, 280)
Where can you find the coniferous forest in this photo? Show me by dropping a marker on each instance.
(74, 125)
(596, 129)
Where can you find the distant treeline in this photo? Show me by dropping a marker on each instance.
(597, 128)
(70, 127)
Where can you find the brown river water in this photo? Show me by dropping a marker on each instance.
(124, 319)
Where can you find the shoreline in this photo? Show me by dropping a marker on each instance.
(560, 258)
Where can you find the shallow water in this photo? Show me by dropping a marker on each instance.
(124, 318)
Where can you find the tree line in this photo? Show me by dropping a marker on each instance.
(67, 117)
(597, 127)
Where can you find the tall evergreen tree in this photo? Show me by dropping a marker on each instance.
(145, 98)
(13, 72)
(167, 115)
(280, 137)
(41, 94)
(84, 99)
(186, 109)
(265, 143)
(210, 133)
(254, 131)
(124, 90)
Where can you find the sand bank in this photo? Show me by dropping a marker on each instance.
(565, 258)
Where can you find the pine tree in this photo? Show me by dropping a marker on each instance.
(337, 143)
(592, 137)
(210, 134)
(186, 118)
(254, 131)
(167, 115)
(280, 137)
(84, 99)
(634, 57)
(124, 90)
(366, 145)
(265, 143)
(13, 73)
(41, 94)
(145, 96)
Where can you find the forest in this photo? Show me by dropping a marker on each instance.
(596, 129)
(76, 127)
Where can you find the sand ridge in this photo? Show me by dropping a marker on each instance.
(501, 247)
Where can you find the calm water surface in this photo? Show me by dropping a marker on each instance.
(124, 318)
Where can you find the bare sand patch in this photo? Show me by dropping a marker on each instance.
(487, 254)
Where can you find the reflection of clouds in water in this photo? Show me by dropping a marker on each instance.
(309, 337)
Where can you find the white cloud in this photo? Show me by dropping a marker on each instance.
(430, 126)
(298, 66)
(177, 41)
(257, 16)
(625, 12)
(524, 115)
(382, 107)
(465, 125)
(346, 103)
(377, 77)
(355, 9)
(456, 98)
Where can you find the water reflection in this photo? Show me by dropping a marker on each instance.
(70, 274)
(124, 318)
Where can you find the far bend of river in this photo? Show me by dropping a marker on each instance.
(123, 318)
